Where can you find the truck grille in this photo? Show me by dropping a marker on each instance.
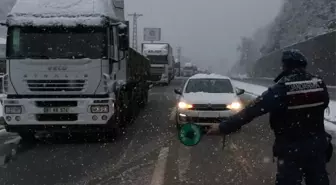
(157, 70)
(209, 107)
(56, 85)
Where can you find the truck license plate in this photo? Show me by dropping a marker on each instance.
(56, 110)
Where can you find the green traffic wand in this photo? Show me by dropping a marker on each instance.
(191, 134)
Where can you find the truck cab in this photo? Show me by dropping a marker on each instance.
(65, 67)
(162, 62)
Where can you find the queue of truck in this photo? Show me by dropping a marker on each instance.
(162, 62)
(72, 70)
(189, 70)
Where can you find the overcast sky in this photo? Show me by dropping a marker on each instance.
(207, 30)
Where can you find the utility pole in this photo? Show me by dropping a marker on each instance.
(135, 30)
(179, 50)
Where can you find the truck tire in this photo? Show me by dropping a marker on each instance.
(144, 99)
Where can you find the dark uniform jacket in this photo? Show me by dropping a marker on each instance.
(296, 105)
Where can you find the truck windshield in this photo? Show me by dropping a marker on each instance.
(209, 86)
(41, 42)
(158, 59)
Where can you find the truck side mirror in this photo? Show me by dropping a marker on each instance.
(123, 43)
(123, 37)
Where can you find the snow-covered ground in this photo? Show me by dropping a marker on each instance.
(330, 114)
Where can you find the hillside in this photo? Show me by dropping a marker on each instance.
(297, 21)
(300, 20)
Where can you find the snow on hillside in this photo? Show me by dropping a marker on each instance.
(300, 20)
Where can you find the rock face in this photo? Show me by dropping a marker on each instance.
(5, 7)
(300, 20)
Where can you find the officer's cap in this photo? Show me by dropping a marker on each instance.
(293, 59)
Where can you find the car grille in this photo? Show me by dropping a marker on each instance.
(210, 107)
(56, 85)
(205, 119)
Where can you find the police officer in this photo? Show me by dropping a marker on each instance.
(296, 104)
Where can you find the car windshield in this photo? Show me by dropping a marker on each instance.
(56, 42)
(209, 86)
(158, 59)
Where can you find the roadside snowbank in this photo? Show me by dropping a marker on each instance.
(330, 115)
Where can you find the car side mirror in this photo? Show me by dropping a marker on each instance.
(240, 91)
(177, 92)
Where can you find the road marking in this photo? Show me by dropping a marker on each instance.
(123, 157)
(160, 167)
(172, 114)
(183, 160)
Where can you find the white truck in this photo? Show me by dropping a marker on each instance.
(188, 70)
(162, 62)
(70, 69)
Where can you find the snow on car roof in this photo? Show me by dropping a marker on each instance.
(61, 12)
(201, 76)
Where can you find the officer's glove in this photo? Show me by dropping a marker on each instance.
(213, 130)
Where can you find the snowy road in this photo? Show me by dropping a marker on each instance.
(148, 154)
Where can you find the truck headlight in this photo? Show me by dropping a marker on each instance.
(13, 109)
(99, 109)
(234, 106)
(183, 105)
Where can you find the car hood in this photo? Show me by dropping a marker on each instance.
(212, 98)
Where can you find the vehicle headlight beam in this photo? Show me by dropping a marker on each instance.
(235, 106)
(183, 105)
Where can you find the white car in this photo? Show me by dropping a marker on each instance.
(207, 98)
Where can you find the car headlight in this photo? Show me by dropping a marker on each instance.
(183, 105)
(234, 106)
(99, 109)
(13, 109)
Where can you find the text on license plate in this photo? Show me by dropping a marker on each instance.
(56, 110)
